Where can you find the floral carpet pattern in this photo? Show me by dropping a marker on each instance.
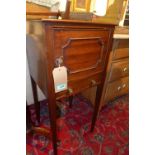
(110, 136)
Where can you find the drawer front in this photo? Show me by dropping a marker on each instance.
(120, 48)
(85, 83)
(117, 88)
(119, 69)
(83, 52)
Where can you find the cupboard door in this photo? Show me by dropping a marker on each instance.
(84, 53)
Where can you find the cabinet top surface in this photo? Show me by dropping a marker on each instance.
(74, 22)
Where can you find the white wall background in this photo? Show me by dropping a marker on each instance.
(29, 95)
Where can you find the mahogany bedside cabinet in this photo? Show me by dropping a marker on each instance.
(82, 47)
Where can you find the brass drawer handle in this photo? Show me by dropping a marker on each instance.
(124, 85)
(93, 82)
(119, 88)
(70, 91)
(124, 69)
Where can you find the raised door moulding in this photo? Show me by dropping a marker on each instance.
(69, 44)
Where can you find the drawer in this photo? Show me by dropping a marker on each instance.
(117, 88)
(82, 84)
(120, 48)
(119, 69)
(77, 85)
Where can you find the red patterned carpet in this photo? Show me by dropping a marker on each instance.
(110, 136)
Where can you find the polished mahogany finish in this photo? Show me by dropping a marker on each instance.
(83, 47)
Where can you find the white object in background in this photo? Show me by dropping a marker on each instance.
(100, 7)
(62, 6)
(55, 5)
(46, 3)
